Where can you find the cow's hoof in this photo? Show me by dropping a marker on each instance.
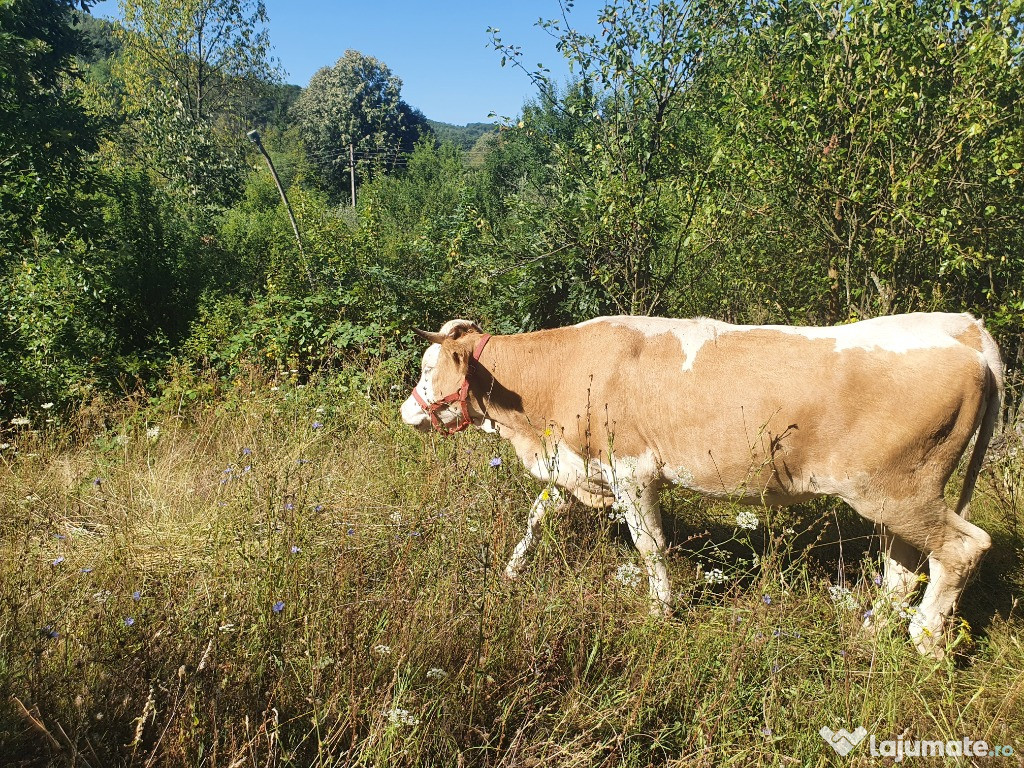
(929, 642)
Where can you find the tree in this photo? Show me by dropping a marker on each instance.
(207, 54)
(193, 70)
(45, 133)
(356, 103)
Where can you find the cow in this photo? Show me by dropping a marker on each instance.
(877, 412)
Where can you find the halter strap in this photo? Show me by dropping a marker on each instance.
(460, 397)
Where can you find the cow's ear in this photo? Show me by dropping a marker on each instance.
(459, 328)
(460, 358)
(433, 338)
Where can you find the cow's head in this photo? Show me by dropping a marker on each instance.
(445, 367)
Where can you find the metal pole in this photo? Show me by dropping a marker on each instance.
(352, 170)
(254, 137)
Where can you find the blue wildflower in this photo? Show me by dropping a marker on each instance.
(85, 570)
(278, 606)
(296, 550)
(128, 621)
(317, 425)
(59, 560)
(50, 632)
(246, 451)
(136, 596)
(767, 599)
(496, 461)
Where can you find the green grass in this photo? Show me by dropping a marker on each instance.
(154, 641)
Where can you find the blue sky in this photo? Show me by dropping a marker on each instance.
(439, 49)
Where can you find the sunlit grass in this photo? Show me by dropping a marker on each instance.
(292, 577)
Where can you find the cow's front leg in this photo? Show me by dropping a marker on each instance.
(638, 504)
(548, 499)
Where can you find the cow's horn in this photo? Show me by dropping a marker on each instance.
(433, 338)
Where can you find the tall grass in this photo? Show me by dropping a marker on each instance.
(291, 577)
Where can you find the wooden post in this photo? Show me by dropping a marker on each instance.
(352, 170)
(254, 137)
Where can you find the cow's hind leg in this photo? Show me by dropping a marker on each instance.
(547, 500)
(950, 564)
(638, 504)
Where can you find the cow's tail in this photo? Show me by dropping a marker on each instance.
(993, 403)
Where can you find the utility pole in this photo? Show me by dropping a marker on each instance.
(352, 169)
(254, 137)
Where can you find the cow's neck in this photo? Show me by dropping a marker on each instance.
(504, 387)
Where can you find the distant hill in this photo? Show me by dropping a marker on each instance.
(463, 136)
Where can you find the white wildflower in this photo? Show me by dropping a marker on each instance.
(399, 716)
(382, 650)
(842, 597)
(46, 406)
(4, 446)
(153, 433)
(396, 517)
(436, 673)
(715, 576)
(747, 520)
(628, 575)
(20, 421)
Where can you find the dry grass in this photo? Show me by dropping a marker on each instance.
(139, 578)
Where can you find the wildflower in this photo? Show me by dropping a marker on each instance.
(436, 673)
(842, 597)
(350, 531)
(4, 446)
(495, 462)
(49, 632)
(382, 650)
(296, 550)
(396, 517)
(767, 599)
(153, 433)
(715, 576)
(59, 560)
(628, 575)
(318, 508)
(136, 596)
(20, 421)
(766, 731)
(399, 716)
(246, 451)
(278, 606)
(102, 596)
(877, 579)
(226, 627)
(317, 425)
(128, 621)
(97, 481)
(289, 505)
(747, 520)
(85, 570)
(46, 406)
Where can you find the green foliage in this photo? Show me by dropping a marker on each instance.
(462, 136)
(45, 134)
(356, 103)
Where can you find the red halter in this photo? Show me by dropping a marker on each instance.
(460, 396)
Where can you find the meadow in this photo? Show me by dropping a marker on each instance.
(283, 574)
